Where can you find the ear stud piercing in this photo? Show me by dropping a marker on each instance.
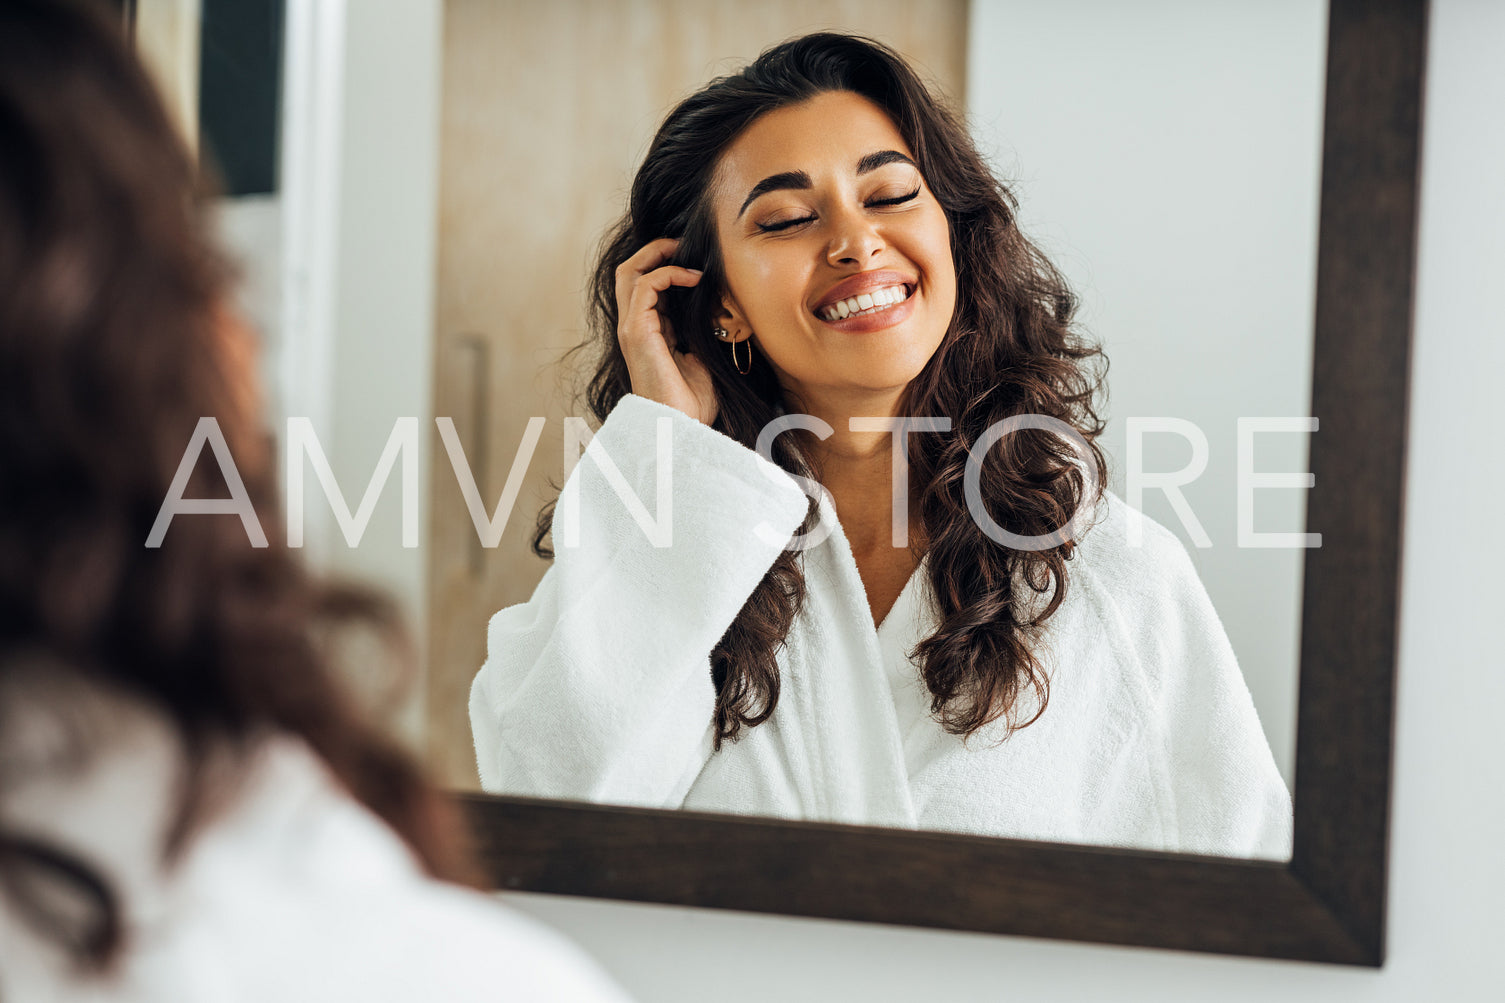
(724, 334)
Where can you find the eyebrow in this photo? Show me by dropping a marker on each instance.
(800, 181)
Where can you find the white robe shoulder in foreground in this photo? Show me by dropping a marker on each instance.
(598, 688)
(293, 891)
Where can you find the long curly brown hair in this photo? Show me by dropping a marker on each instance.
(115, 339)
(1011, 350)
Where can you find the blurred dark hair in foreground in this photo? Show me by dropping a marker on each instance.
(115, 338)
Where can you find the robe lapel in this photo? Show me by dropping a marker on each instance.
(855, 742)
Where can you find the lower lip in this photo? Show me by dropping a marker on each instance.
(877, 320)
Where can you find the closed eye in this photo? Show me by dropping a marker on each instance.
(783, 224)
(897, 200)
(786, 224)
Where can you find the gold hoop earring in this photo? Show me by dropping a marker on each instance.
(744, 372)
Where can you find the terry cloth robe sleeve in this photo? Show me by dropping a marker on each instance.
(599, 687)
(1227, 796)
(288, 889)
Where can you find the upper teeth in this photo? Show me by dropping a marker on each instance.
(875, 300)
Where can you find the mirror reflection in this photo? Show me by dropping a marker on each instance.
(804, 566)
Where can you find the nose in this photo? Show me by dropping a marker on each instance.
(855, 240)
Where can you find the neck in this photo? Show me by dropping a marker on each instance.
(857, 466)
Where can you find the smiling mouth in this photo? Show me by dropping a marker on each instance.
(866, 303)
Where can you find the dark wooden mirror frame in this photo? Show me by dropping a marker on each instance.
(1327, 903)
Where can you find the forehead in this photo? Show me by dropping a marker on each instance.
(828, 133)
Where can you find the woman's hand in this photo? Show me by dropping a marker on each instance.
(658, 371)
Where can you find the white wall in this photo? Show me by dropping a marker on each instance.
(1447, 871)
(360, 176)
(385, 305)
(1166, 155)
(337, 275)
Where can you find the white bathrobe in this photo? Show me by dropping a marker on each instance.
(291, 890)
(599, 688)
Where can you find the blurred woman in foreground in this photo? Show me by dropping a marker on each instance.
(190, 807)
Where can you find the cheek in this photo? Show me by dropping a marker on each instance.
(770, 285)
(940, 265)
(939, 247)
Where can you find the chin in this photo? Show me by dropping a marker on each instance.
(888, 381)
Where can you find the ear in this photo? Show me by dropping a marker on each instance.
(731, 320)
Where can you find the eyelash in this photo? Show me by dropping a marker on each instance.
(788, 223)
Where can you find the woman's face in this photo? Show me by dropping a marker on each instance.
(819, 206)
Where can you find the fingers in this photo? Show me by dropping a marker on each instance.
(640, 317)
(647, 287)
(658, 370)
(641, 280)
(647, 258)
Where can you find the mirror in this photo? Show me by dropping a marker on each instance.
(1166, 160)
(1199, 290)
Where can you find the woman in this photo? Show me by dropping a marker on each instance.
(828, 220)
(190, 808)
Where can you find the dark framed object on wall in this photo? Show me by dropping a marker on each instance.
(238, 89)
(1328, 902)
